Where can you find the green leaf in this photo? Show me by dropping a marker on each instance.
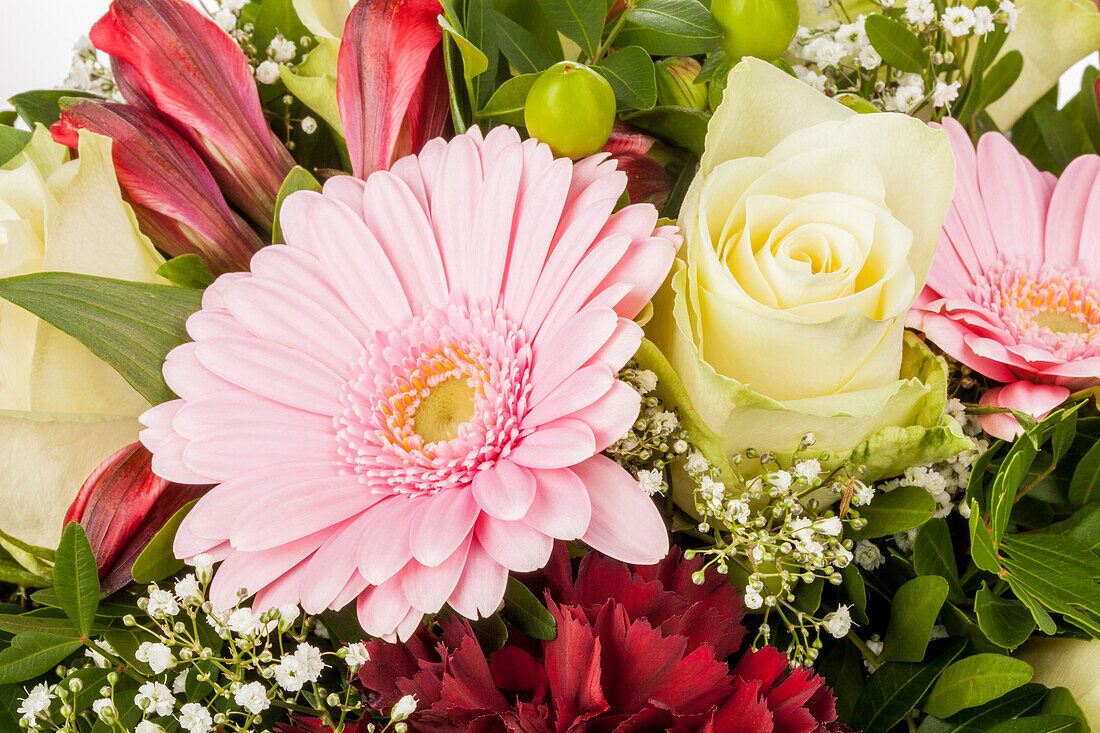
(474, 61)
(32, 654)
(299, 179)
(1087, 102)
(1061, 701)
(915, 608)
(274, 17)
(522, 49)
(975, 485)
(1006, 484)
(1084, 487)
(1057, 571)
(43, 106)
(18, 575)
(1000, 78)
(76, 578)
(1038, 613)
(131, 326)
(842, 668)
(896, 44)
(680, 126)
(1084, 526)
(491, 633)
(896, 687)
(632, 76)
(1006, 623)
(187, 271)
(670, 28)
(856, 590)
(526, 613)
(12, 142)
(508, 101)
(982, 551)
(981, 718)
(481, 29)
(896, 511)
(578, 20)
(22, 623)
(933, 554)
(976, 680)
(1038, 724)
(157, 561)
(1064, 433)
(1058, 134)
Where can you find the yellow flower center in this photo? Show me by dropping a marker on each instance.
(446, 407)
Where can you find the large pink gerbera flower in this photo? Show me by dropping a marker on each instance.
(1014, 290)
(409, 399)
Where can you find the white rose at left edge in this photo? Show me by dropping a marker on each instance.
(62, 409)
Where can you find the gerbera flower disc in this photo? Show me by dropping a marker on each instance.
(409, 399)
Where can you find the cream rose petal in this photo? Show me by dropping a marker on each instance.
(324, 18)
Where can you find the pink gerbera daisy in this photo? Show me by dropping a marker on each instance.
(1014, 290)
(409, 399)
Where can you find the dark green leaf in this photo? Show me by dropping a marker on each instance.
(508, 101)
(717, 65)
(914, 610)
(670, 28)
(526, 613)
(896, 511)
(299, 179)
(76, 578)
(1038, 724)
(680, 126)
(474, 61)
(44, 105)
(1002, 493)
(1084, 526)
(896, 44)
(12, 142)
(933, 555)
(1064, 433)
(632, 77)
(531, 17)
(808, 595)
(1006, 623)
(131, 326)
(188, 271)
(982, 551)
(896, 687)
(1059, 135)
(1038, 613)
(48, 597)
(1057, 571)
(975, 486)
(983, 717)
(579, 20)
(1061, 701)
(842, 668)
(975, 680)
(1000, 78)
(521, 48)
(491, 633)
(157, 561)
(481, 29)
(18, 575)
(32, 654)
(22, 623)
(856, 590)
(1084, 488)
(1087, 102)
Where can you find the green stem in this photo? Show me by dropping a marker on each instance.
(869, 655)
(610, 38)
(448, 65)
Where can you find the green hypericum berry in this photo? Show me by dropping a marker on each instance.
(571, 108)
(760, 28)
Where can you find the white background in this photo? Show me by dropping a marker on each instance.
(37, 37)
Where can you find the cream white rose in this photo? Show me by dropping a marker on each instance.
(324, 18)
(1070, 663)
(809, 230)
(62, 409)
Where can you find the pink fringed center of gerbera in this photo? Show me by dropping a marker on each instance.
(1059, 310)
(436, 401)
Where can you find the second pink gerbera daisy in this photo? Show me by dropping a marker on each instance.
(408, 399)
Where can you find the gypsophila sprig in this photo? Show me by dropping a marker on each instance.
(770, 528)
(199, 669)
(837, 57)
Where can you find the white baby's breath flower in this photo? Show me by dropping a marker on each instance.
(267, 72)
(905, 98)
(309, 657)
(161, 603)
(920, 12)
(868, 556)
(188, 589)
(281, 49)
(242, 622)
(157, 655)
(862, 494)
(958, 21)
(226, 20)
(838, 622)
(983, 20)
(289, 674)
(944, 94)
(179, 684)
(357, 655)
(309, 125)
(204, 566)
(807, 470)
(665, 421)
(195, 718)
(645, 380)
(781, 480)
(825, 52)
(753, 600)
(234, 6)
(403, 708)
(1012, 14)
(696, 463)
(148, 726)
(830, 526)
(869, 58)
(36, 703)
(104, 707)
(155, 697)
(252, 697)
(651, 481)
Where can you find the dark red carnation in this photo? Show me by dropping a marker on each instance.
(638, 649)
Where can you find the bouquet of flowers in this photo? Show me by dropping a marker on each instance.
(554, 365)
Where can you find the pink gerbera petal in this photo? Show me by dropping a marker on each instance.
(406, 400)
